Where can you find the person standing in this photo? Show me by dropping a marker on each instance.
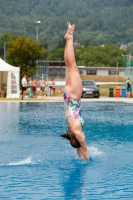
(31, 82)
(42, 84)
(24, 85)
(34, 87)
(51, 83)
(128, 88)
(60, 91)
(72, 97)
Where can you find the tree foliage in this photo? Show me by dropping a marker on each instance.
(98, 56)
(23, 52)
(58, 52)
(97, 21)
(95, 56)
(5, 39)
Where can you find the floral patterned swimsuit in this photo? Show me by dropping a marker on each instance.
(74, 107)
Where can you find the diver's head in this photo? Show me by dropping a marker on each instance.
(73, 141)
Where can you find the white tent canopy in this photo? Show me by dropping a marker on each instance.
(10, 75)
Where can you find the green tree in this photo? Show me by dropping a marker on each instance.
(61, 44)
(105, 22)
(23, 52)
(57, 54)
(98, 56)
(44, 45)
(86, 42)
(5, 39)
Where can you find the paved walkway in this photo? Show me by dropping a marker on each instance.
(60, 99)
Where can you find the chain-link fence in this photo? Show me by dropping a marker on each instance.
(128, 67)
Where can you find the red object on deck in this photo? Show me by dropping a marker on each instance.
(117, 92)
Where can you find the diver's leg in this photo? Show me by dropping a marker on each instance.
(74, 83)
(67, 70)
(69, 50)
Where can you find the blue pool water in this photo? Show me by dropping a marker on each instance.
(35, 163)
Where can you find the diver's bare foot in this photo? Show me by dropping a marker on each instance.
(70, 31)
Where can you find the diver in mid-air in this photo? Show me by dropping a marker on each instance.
(72, 97)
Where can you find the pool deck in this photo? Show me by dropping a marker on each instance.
(60, 99)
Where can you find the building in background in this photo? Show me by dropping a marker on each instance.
(57, 70)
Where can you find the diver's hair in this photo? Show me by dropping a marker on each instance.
(66, 136)
(73, 141)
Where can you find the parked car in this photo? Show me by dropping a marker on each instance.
(90, 89)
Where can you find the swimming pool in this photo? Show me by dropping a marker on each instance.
(35, 163)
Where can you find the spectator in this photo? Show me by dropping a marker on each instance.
(34, 84)
(52, 89)
(128, 88)
(60, 91)
(42, 84)
(24, 85)
(31, 82)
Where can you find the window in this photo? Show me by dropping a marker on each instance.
(91, 72)
(113, 72)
